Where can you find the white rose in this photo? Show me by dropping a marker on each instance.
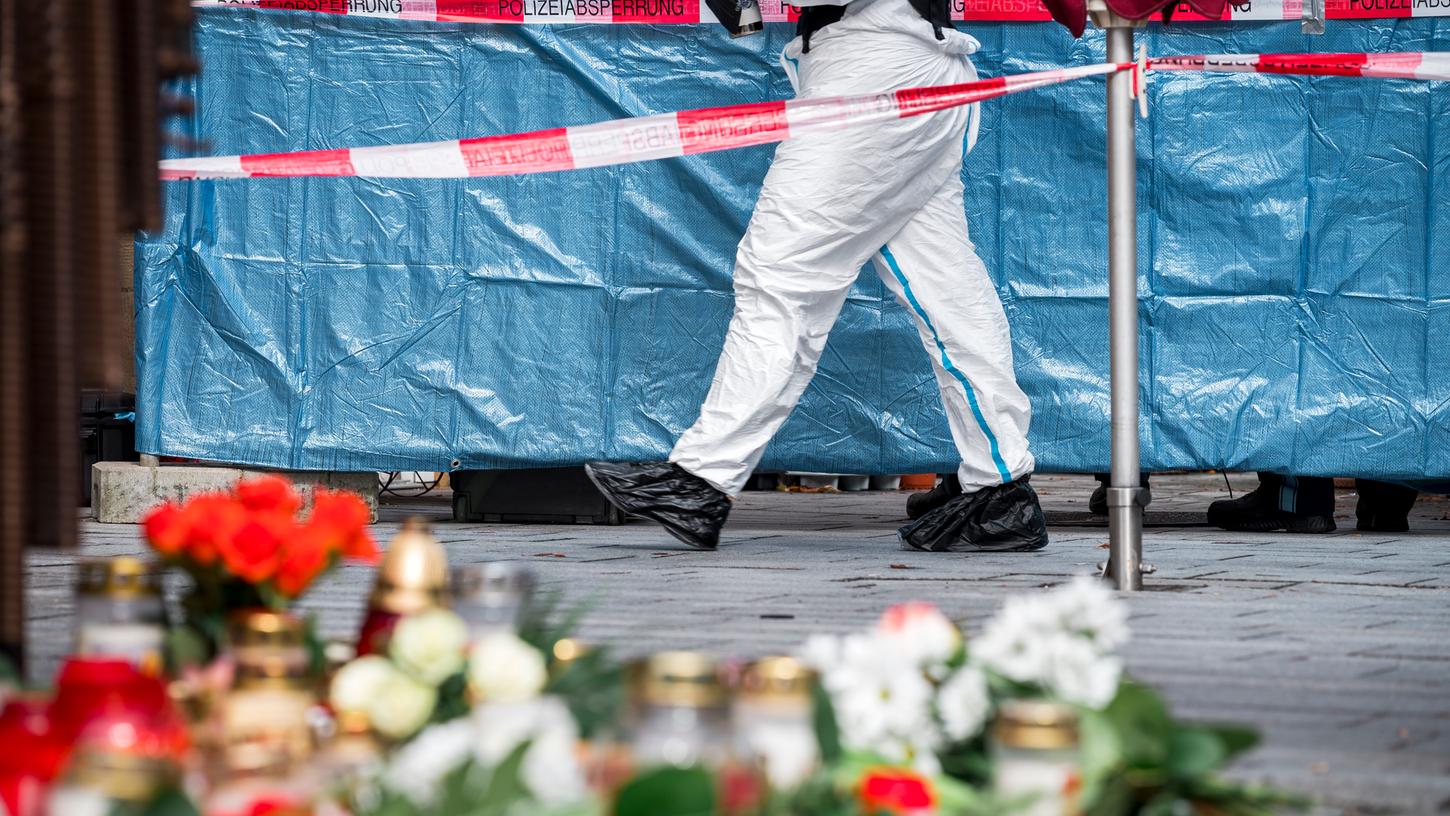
(430, 645)
(920, 633)
(504, 669)
(356, 684)
(1087, 607)
(1081, 674)
(877, 694)
(1011, 649)
(402, 706)
(418, 768)
(964, 703)
(550, 768)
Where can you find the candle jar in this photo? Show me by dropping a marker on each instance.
(412, 577)
(264, 734)
(120, 612)
(491, 597)
(1035, 756)
(102, 781)
(679, 711)
(772, 718)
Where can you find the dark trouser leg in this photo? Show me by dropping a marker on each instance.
(1384, 507)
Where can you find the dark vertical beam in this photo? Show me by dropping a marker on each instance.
(12, 333)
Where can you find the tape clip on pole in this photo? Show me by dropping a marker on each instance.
(1140, 81)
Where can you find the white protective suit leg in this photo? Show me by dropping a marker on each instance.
(830, 203)
(934, 271)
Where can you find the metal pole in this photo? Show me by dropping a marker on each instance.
(1125, 514)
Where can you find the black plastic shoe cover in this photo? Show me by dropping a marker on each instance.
(688, 507)
(1002, 518)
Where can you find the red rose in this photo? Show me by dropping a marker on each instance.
(268, 494)
(343, 518)
(166, 529)
(306, 555)
(896, 791)
(211, 520)
(253, 552)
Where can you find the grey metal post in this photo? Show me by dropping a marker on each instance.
(1125, 513)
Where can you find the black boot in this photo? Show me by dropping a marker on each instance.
(919, 504)
(1001, 518)
(1098, 501)
(688, 507)
(1294, 504)
(1383, 507)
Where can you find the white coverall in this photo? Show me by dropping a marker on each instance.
(892, 193)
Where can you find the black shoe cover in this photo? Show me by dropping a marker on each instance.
(1003, 518)
(919, 504)
(688, 507)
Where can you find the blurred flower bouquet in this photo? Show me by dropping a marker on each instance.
(248, 548)
(480, 726)
(911, 706)
(908, 720)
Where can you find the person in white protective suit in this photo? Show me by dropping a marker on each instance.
(891, 193)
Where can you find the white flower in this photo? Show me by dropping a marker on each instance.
(1081, 674)
(920, 633)
(1011, 645)
(963, 703)
(417, 769)
(877, 693)
(430, 645)
(356, 685)
(1059, 641)
(504, 669)
(821, 652)
(402, 706)
(1088, 608)
(550, 767)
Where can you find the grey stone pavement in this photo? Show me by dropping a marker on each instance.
(1337, 647)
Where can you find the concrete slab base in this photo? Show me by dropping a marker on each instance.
(124, 492)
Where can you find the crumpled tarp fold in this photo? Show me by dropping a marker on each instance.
(1293, 242)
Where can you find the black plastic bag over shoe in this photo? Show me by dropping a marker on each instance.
(1002, 518)
(688, 507)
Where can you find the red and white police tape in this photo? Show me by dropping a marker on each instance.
(694, 11)
(620, 141)
(1433, 65)
(704, 130)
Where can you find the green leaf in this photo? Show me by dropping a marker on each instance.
(823, 721)
(506, 783)
(452, 699)
(168, 802)
(1194, 752)
(186, 648)
(592, 686)
(1142, 725)
(1101, 755)
(668, 792)
(9, 674)
(1235, 738)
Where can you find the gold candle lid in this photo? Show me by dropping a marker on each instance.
(414, 573)
(122, 576)
(686, 679)
(121, 776)
(264, 628)
(1036, 725)
(268, 647)
(777, 679)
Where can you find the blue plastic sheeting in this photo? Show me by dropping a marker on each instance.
(1294, 254)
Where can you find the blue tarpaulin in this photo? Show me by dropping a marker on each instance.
(1294, 250)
